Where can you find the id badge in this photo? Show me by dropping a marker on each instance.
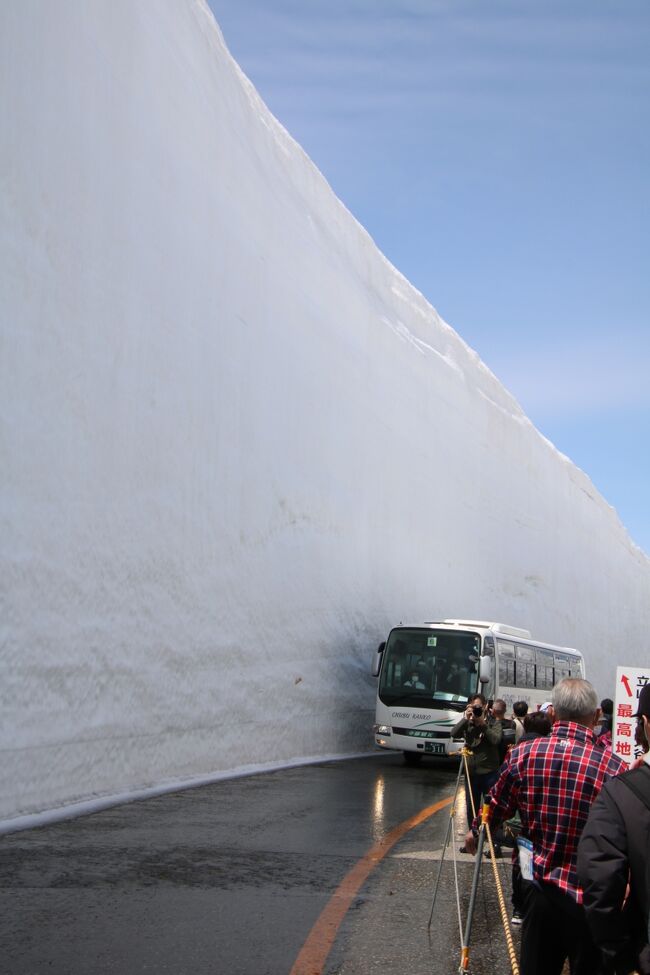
(525, 851)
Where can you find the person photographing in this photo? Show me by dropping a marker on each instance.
(482, 736)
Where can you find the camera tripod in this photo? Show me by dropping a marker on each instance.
(484, 834)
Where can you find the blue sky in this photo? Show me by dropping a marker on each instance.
(499, 155)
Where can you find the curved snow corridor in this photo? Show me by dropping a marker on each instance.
(237, 444)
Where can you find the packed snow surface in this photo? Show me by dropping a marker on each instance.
(237, 444)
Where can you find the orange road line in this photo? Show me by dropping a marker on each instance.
(318, 945)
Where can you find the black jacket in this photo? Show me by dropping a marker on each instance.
(612, 850)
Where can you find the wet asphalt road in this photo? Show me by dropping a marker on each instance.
(230, 878)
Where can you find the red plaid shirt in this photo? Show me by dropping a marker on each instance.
(553, 781)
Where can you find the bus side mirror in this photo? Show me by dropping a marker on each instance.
(376, 663)
(485, 670)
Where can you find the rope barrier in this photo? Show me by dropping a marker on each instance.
(512, 954)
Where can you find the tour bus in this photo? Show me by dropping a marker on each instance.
(428, 672)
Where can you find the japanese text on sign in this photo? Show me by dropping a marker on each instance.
(629, 683)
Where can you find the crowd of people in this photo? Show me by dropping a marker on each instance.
(581, 822)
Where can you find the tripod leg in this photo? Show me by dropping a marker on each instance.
(446, 843)
(472, 900)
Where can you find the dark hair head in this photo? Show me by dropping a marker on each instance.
(643, 709)
(538, 722)
(520, 709)
(607, 705)
(478, 697)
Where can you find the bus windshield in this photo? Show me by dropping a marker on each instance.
(425, 664)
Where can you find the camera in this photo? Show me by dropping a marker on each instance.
(477, 711)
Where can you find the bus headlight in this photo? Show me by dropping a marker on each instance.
(382, 729)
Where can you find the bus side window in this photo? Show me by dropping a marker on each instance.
(506, 652)
(525, 666)
(506, 672)
(562, 666)
(545, 676)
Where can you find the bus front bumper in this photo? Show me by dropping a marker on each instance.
(407, 743)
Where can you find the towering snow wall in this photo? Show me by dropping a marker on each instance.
(237, 444)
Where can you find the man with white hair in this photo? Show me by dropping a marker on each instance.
(552, 782)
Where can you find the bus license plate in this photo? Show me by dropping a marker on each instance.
(434, 748)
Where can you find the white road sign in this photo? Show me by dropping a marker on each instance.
(629, 683)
